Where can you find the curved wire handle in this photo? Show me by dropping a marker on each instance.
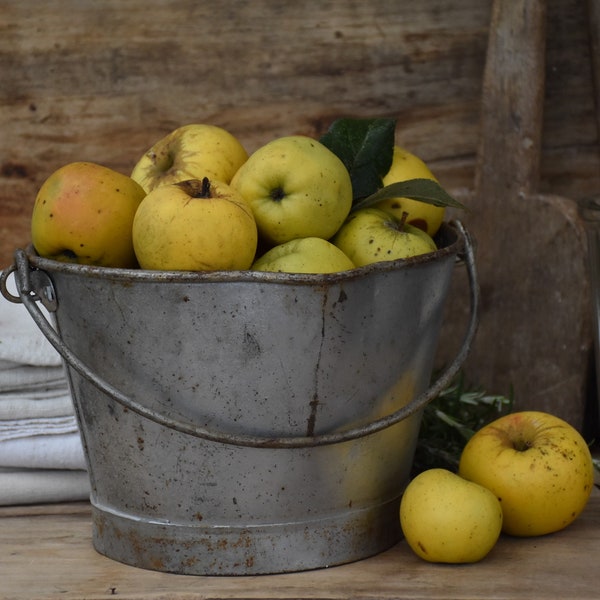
(28, 296)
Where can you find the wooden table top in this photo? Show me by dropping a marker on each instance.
(46, 552)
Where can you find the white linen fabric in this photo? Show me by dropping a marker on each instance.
(42, 486)
(41, 454)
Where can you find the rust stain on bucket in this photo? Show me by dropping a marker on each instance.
(207, 400)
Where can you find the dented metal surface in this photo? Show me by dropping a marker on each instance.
(265, 355)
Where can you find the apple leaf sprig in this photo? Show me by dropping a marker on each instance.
(450, 420)
(366, 147)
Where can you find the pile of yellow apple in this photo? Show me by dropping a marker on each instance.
(197, 201)
(525, 474)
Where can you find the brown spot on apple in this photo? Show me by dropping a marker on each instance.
(69, 254)
(420, 223)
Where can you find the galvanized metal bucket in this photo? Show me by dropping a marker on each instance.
(244, 423)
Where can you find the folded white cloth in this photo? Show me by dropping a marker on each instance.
(21, 341)
(51, 451)
(25, 428)
(34, 486)
(35, 404)
(28, 378)
(41, 455)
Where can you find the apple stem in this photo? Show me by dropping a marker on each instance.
(402, 221)
(205, 192)
(522, 445)
(196, 188)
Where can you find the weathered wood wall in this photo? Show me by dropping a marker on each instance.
(101, 81)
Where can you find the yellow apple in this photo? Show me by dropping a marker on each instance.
(304, 255)
(83, 214)
(372, 235)
(297, 188)
(538, 465)
(194, 225)
(447, 519)
(192, 151)
(423, 215)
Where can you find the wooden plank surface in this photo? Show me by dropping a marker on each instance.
(48, 556)
(535, 325)
(83, 80)
(102, 81)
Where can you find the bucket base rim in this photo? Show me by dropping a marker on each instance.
(261, 549)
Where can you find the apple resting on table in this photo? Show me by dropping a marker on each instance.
(448, 519)
(539, 467)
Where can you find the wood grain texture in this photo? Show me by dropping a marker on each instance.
(83, 80)
(594, 28)
(102, 81)
(534, 340)
(513, 88)
(51, 556)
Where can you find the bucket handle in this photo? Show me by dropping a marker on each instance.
(39, 287)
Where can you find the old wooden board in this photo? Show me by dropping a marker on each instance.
(101, 81)
(535, 332)
(594, 25)
(48, 556)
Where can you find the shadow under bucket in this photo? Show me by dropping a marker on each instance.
(239, 423)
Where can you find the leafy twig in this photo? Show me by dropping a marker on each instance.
(450, 420)
(366, 147)
(424, 190)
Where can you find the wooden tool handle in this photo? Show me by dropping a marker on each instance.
(512, 99)
(594, 24)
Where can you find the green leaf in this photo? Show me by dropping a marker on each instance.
(425, 190)
(366, 147)
(464, 431)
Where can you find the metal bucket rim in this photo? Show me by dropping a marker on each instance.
(448, 239)
(29, 293)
